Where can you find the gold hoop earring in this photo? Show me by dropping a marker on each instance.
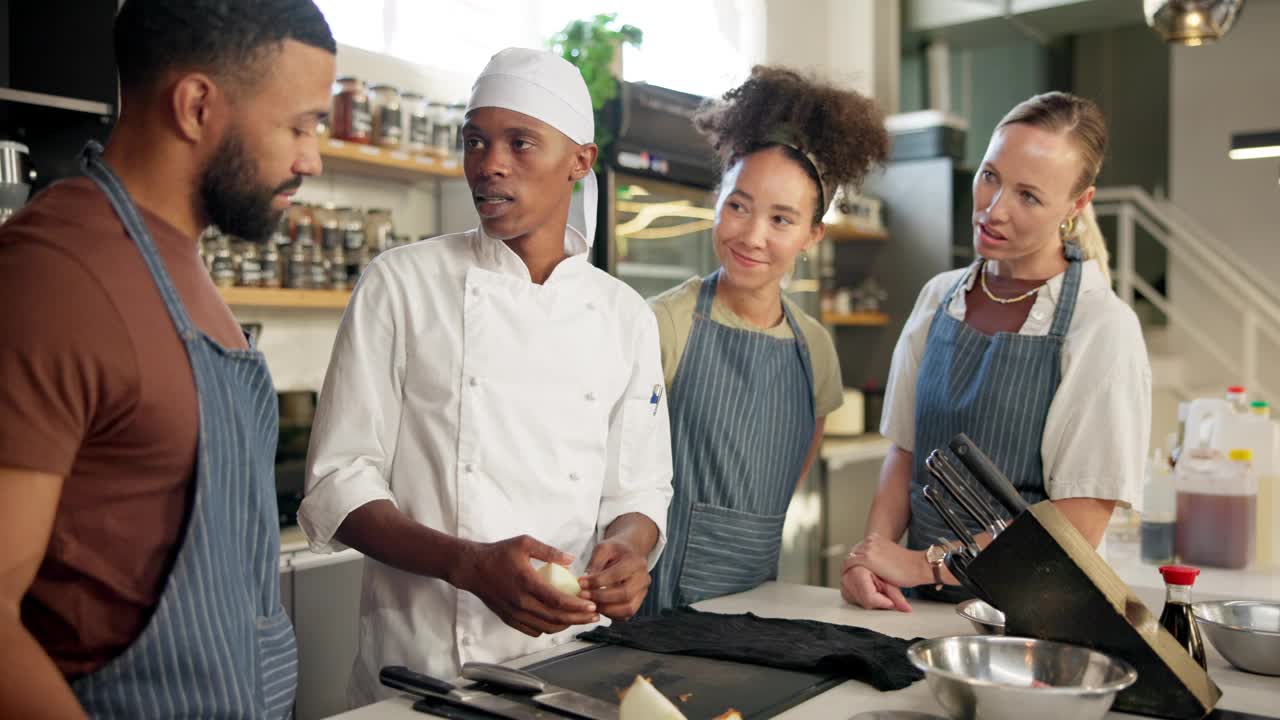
(1067, 228)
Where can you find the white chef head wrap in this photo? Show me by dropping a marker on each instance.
(547, 87)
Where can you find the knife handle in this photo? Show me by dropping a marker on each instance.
(988, 474)
(952, 521)
(504, 677)
(402, 678)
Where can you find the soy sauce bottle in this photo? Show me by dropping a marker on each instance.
(1177, 617)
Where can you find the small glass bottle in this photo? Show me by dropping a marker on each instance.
(417, 123)
(1177, 617)
(1159, 511)
(250, 273)
(223, 264)
(270, 265)
(298, 274)
(388, 119)
(352, 113)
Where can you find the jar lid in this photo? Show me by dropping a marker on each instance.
(1240, 455)
(1235, 389)
(410, 95)
(1259, 404)
(348, 78)
(384, 86)
(1179, 574)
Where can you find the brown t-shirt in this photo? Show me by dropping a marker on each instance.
(991, 317)
(99, 390)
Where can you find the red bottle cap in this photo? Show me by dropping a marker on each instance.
(1179, 574)
(1236, 389)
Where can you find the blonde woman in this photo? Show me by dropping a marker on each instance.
(1028, 351)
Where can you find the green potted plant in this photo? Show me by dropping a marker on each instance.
(593, 46)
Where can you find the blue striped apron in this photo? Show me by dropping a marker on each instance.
(742, 420)
(997, 389)
(219, 644)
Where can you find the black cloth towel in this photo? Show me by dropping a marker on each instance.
(805, 645)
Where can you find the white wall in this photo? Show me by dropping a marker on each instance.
(1216, 90)
(854, 43)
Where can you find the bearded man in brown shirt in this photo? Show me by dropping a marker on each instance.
(138, 536)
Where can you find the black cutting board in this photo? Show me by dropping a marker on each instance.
(712, 686)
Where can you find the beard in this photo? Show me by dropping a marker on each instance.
(232, 196)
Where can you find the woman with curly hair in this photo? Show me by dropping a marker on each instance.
(1028, 351)
(750, 377)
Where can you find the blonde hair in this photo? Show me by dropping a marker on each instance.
(1089, 237)
(1084, 123)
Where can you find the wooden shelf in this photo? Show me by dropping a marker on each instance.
(857, 319)
(376, 162)
(841, 232)
(54, 102)
(285, 298)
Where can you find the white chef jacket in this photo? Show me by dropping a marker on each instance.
(485, 406)
(1099, 423)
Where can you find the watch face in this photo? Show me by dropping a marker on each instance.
(935, 554)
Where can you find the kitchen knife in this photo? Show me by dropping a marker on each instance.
(949, 517)
(988, 474)
(959, 567)
(569, 701)
(425, 686)
(978, 508)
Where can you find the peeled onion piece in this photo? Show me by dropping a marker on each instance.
(559, 577)
(644, 702)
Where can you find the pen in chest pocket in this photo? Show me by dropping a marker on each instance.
(655, 398)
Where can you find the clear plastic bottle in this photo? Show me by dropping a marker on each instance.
(1217, 508)
(1177, 617)
(1238, 398)
(1159, 511)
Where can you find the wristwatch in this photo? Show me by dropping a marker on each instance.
(936, 555)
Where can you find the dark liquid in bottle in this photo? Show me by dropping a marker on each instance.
(1180, 623)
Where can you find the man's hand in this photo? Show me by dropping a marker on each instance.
(617, 578)
(501, 576)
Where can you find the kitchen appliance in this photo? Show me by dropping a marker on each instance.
(17, 176)
(848, 420)
(542, 693)
(1008, 678)
(657, 206)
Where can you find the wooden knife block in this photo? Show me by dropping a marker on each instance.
(1052, 585)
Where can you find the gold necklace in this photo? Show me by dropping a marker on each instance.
(1005, 301)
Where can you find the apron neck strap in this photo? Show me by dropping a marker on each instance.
(707, 294)
(94, 167)
(1069, 291)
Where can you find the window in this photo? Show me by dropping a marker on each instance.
(697, 46)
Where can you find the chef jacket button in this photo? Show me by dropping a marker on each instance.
(472, 381)
(470, 468)
(573, 477)
(590, 396)
(466, 641)
(475, 292)
(591, 306)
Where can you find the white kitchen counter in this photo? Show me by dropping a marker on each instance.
(1241, 691)
(837, 452)
(1255, 584)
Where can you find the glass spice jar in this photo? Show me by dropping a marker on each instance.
(417, 126)
(319, 278)
(328, 217)
(442, 139)
(353, 237)
(270, 275)
(337, 269)
(388, 121)
(250, 270)
(298, 274)
(352, 113)
(223, 265)
(378, 230)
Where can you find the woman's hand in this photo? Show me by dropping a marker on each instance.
(877, 568)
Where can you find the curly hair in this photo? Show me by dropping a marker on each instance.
(842, 129)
